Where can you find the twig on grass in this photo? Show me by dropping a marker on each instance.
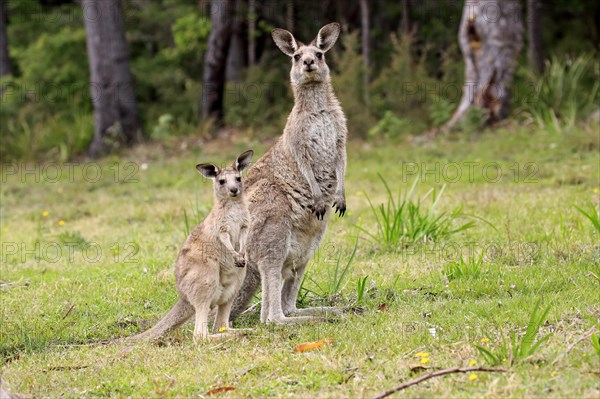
(591, 273)
(425, 377)
(583, 337)
(251, 308)
(68, 311)
(572, 346)
(63, 368)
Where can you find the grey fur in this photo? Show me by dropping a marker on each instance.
(210, 268)
(292, 188)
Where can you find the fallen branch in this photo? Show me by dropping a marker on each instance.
(437, 374)
(572, 346)
(584, 337)
(63, 368)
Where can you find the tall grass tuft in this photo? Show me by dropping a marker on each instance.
(402, 221)
(331, 288)
(567, 91)
(519, 348)
(198, 212)
(592, 215)
(471, 268)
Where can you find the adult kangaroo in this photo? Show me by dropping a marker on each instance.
(292, 188)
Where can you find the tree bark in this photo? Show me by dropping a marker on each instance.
(215, 60)
(535, 51)
(405, 27)
(116, 116)
(289, 15)
(364, 17)
(252, 16)
(491, 38)
(236, 56)
(5, 66)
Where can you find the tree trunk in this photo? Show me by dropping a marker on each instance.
(405, 17)
(252, 16)
(364, 17)
(535, 51)
(289, 15)
(116, 117)
(5, 66)
(236, 56)
(215, 60)
(491, 38)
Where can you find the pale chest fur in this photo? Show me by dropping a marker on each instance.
(318, 135)
(233, 222)
(204, 263)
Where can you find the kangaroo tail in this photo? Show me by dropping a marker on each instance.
(174, 318)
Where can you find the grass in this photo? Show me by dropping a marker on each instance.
(337, 274)
(591, 215)
(402, 222)
(520, 347)
(119, 280)
(471, 268)
(568, 91)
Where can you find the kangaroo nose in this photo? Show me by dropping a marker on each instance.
(233, 190)
(309, 61)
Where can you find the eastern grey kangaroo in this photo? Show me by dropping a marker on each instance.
(292, 187)
(210, 268)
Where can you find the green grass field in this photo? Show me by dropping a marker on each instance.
(89, 257)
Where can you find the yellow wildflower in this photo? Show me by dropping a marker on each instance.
(472, 363)
(554, 373)
(595, 190)
(484, 340)
(472, 377)
(422, 354)
(222, 329)
(424, 360)
(61, 222)
(45, 214)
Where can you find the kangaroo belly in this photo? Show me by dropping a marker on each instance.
(323, 152)
(230, 281)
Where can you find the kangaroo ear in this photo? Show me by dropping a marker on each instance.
(243, 161)
(208, 170)
(285, 41)
(327, 36)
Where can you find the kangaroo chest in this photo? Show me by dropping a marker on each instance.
(232, 224)
(321, 136)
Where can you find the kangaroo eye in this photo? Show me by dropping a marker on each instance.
(297, 57)
(319, 55)
(221, 181)
(238, 179)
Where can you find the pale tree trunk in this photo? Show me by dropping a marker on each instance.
(491, 38)
(215, 61)
(535, 51)
(5, 66)
(364, 16)
(252, 16)
(116, 117)
(405, 27)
